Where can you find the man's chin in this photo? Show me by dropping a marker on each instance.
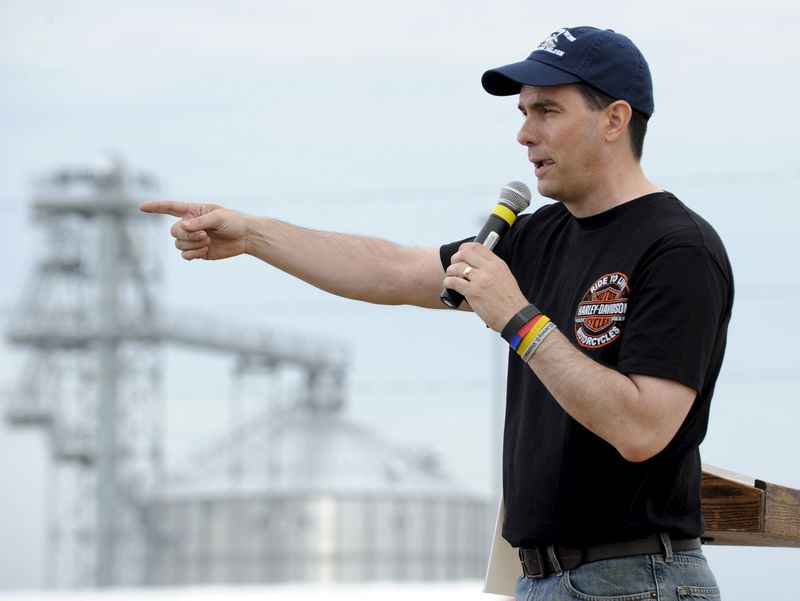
(548, 191)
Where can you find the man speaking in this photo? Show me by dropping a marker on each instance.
(614, 300)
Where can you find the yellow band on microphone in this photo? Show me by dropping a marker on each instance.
(504, 213)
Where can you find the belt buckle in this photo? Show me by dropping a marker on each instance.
(539, 558)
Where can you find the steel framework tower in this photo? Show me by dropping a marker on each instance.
(92, 377)
(90, 320)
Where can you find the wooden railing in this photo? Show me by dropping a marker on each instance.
(739, 510)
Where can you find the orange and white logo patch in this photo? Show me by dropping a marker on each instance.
(601, 312)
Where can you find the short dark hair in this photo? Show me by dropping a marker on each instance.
(637, 128)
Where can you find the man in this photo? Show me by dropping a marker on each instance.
(615, 301)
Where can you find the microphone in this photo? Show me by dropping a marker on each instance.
(514, 197)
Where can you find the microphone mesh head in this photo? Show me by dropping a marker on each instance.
(516, 196)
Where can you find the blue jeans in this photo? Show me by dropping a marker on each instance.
(638, 578)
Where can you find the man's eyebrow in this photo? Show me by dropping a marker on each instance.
(544, 102)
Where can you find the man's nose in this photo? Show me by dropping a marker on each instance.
(527, 135)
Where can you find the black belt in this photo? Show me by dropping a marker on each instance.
(539, 561)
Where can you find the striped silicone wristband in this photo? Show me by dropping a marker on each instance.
(526, 356)
(519, 336)
(516, 323)
(531, 336)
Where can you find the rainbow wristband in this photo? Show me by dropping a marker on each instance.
(531, 336)
(516, 323)
(519, 336)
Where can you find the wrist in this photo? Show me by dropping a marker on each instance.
(518, 320)
(526, 331)
(252, 234)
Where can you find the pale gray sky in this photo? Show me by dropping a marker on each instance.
(370, 118)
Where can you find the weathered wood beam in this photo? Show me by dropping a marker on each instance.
(739, 510)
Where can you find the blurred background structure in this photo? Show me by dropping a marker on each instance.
(292, 492)
(315, 498)
(92, 378)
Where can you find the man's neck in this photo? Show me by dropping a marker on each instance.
(616, 188)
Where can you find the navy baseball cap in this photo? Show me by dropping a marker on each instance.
(601, 58)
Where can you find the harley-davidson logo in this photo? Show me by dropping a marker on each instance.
(601, 312)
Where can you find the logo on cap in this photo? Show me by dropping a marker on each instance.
(550, 43)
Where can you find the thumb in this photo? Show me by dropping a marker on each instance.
(209, 221)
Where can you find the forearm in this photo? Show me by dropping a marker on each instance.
(357, 267)
(638, 415)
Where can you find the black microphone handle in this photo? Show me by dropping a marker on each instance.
(494, 229)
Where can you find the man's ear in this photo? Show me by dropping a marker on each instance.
(618, 115)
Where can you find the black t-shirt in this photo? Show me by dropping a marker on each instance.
(644, 288)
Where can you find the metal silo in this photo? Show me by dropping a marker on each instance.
(317, 498)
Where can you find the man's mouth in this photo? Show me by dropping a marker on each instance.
(542, 166)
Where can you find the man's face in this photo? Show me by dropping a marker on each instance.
(564, 138)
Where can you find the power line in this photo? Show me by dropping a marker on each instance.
(760, 375)
(334, 306)
(395, 386)
(446, 193)
(434, 193)
(731, 178)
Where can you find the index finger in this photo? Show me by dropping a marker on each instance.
(473, 253)
(176, 208)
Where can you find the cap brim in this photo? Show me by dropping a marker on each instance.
(509, 79)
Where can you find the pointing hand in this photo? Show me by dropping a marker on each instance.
(205, 231)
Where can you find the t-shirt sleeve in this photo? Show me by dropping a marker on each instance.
(677, 305)
(446, 251)
(504, 247)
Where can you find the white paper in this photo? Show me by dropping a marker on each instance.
(504, 565)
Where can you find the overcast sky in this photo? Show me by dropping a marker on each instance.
(370, 118)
